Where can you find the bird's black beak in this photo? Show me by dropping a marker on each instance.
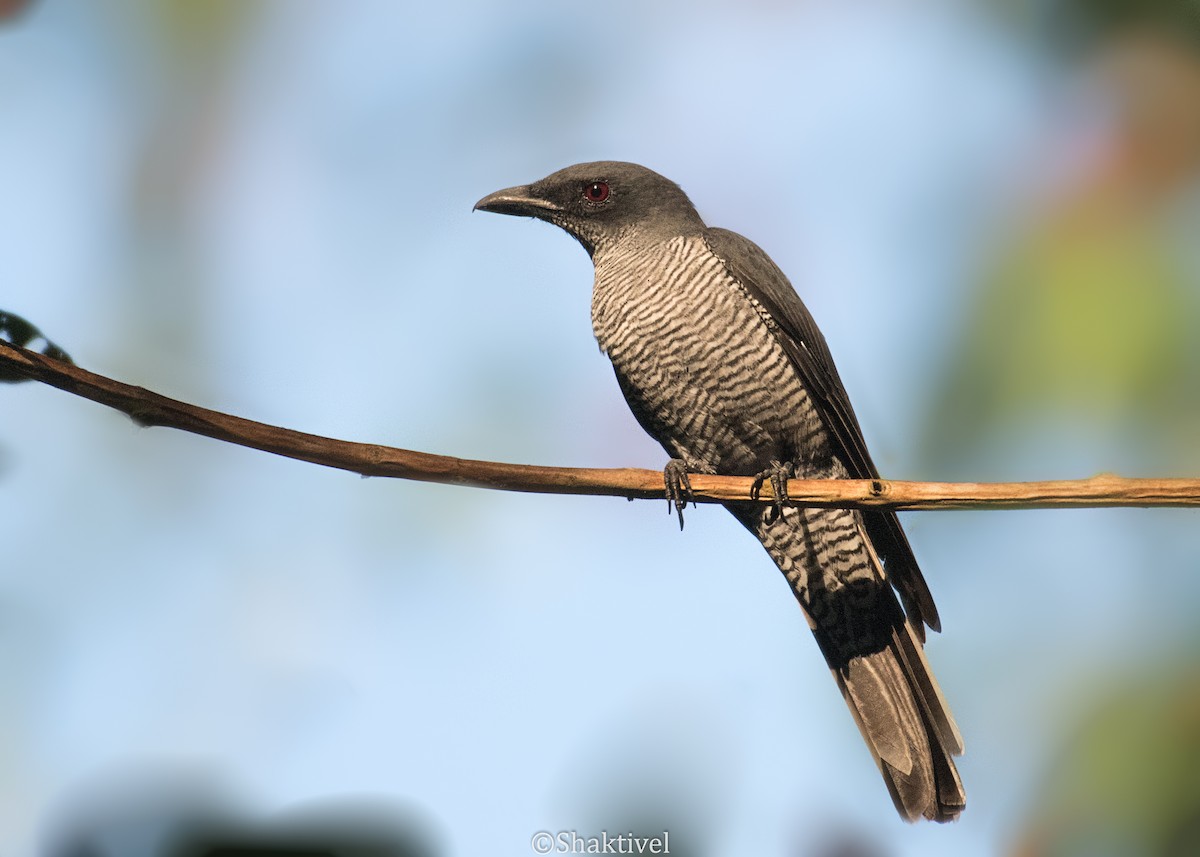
(520, 200)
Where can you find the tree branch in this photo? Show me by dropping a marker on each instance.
(150, 409)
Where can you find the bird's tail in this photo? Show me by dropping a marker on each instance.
(907, 726)
(876, 659)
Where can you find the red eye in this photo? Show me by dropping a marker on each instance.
(596, 192)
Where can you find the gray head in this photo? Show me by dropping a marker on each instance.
(602, 203)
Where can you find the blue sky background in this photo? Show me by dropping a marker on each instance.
(266, 210)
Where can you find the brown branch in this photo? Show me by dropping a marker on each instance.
(150, 409)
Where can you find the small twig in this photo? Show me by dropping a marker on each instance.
(150, 409)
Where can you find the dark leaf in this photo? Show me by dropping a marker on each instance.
(21, 333)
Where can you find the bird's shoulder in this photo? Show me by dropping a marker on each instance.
(767, 285)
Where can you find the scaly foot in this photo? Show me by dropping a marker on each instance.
(679, 489)
(778, 473)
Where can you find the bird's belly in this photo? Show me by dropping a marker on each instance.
(699, 366)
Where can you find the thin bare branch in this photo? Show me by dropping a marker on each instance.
(151, 409)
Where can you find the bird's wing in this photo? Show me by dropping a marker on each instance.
(806, 348)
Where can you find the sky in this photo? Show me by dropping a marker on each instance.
(266, 209)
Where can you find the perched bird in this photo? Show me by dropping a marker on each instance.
(722, 364)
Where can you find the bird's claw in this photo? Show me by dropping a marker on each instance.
(778, 474)
(679, 487)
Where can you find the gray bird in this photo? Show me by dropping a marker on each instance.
(722, 364)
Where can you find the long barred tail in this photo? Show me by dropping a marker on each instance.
(877, 661)
(908, 728)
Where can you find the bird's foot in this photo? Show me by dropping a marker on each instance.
(778, 474)
(679, 488)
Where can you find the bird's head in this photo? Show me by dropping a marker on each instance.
(602, 203)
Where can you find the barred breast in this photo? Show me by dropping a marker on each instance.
(698, 363)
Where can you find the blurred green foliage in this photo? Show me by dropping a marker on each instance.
(1088, 324)
(197, 32)
(1127, 782)
(1099, 19)
(1085, 322)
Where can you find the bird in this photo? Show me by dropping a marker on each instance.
(721, 362)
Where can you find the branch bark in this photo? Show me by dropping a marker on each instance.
(151, 409)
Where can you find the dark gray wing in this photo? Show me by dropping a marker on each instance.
(806, 348)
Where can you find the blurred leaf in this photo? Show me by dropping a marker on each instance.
(1088, 323)
(21, 333)
(12, 8)
(1128, 781)
(173, 816)
(199, 32)
(1100, 19)
(1079, 25)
